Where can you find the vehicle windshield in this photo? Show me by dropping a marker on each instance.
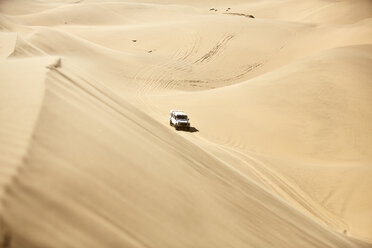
(181, 117)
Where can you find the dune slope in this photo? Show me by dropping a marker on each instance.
(279, 96)
(316, 114)
(124, 188)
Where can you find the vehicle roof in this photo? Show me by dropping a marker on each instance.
(178, 112)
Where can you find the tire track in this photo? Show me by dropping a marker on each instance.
(215, 50)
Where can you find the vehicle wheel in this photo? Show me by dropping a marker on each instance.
(170, 123)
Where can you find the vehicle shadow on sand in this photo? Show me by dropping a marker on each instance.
(191, 130)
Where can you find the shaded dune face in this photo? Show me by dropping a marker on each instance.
(280, 104)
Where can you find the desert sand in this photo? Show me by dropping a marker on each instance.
(279, 95)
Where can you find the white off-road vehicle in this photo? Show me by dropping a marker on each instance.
(179, 120)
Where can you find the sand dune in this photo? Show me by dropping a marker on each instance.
(321, 119)
(279, 155)
(111, 193)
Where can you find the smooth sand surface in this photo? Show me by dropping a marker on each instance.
(279, 94)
